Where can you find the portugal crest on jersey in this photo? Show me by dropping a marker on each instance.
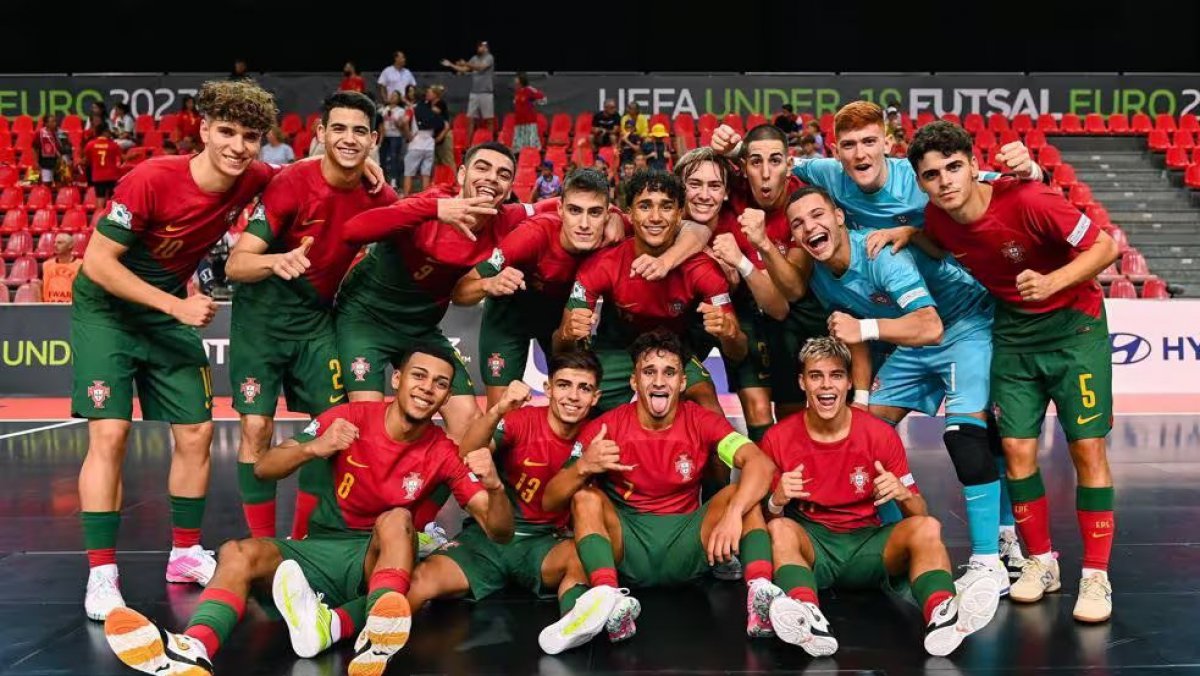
(412, 485)
(495, 363)
(497, 259)
(98, 392)
(1013, 251)
(685, 466)
(676, 308)
(859, 480)
(360, 367)
(250, 389)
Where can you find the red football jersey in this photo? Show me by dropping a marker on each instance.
(667, 463)
(535, 248)
(523, 110)
(529, 454)
(1027, 226)
(841, 474)
(377, 473)
(777, 227)
(638, 305)
(103, 159)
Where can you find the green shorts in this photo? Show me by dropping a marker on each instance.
(661, 550)
(308, 371)
(504, 334)
(333, 566)
(489, 566)
(1077, 378)
(167, 363)
(806, 319)
(366, 347)
(852, 560)
(753, 370)
(618, 368)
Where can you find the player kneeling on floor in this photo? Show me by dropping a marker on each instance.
(837, 465)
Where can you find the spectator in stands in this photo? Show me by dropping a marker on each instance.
(239, 70)
(808, 147)
(121, 123)
(424, 127)
(899, 142)
(813, 128)
(481, 105)
(641, 124)
(58, 273)
(631, 141)
(893, 119)
(275, 151)
(352, 81)
(547, 185)
(185, 146)
(49, 149)
(189, 120)
(393, 138)
(316, 148)
(656, 149)
(639, 162)
(97, 110)
(444, 153)
(785, 120)
(395, 78)
(102, 157)
(606, 125)
(525, 135)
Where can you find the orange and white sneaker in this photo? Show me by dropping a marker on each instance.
(385, 633)
(141, 645)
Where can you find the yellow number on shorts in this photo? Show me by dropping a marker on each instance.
(531, 489)
(206, 376)
(1089, 396)
(629, 490)
(345, 486)
(423, 272)
(168, 248)
(336, 366)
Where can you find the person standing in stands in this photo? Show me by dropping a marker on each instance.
(482, 103)
(526, 133)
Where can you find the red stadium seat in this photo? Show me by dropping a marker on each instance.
(1177, 158)
(1133, 265)
(1049, 157)
(973, 123)
(952, 118)
(23, 125)
(755, 120)
(8, 176)
(45, 246)
(311, 122)
(1081, 196)
(1122, 288)
(1158, 141)
(1122, 240)
(1009, 136)
(523, 191)
(525, 174)
(583, 125)
(15, 220)
(609, 156)
(27, 293)
(985, 141)
(168, 125)
(583, 156)
(96, 216)
(1022, 123)
(143, 124)
(482, 135)
(291, 124)
(19, 244)
(459, 124)
(1182, 139)
(67, 198)
(443, 174)
(1155, 288)
(301, 142)
(1189, 122)
(543, 126)
(1046, 124)
(998, 124)
(1140, 124)
(81, 242)
(3, 287)
(557, 155)
(686, 142)
(1094, 124)
(1164, 122)
(89, 198)
(1035, 140)
(1070, 124)
(1107, 275)
(43, 220)
(23, 271)
(734, 120)
(153, 139)
(826, 124)
(71, 122)
(12, 198)
(924, 118)
(74, 220)
(1118, 124)
(705, 138)
(5, 129)
(1099, 215)
(685, 126)
(1191, 177)
(560, 130)
(40, 197)
(529, 157)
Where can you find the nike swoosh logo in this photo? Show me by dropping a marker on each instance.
(312, 222)
(1083, 421)
(959, 255)
(977, 497)
(1097, 536)
(529, 463)
(174, 228)
(350, 460)
(1024, 520)
(334, 400)
(628, 306)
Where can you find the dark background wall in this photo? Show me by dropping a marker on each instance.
(713, 35)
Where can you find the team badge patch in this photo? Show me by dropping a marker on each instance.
(685, 467)
(1013, 251)
(676, 309)
(412, 485)
(259, 213)
(881, 298)
(313, 428)
(120, 215)
(98, 392)
(495, 364)
(996, 411)
(901, 219)
(232, 215)
(250, 389)
(497, 259)
(360, 367)
(859, 480)
(578, 293)
(577, 450)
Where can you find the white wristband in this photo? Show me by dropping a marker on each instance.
(735, 152)
(745, 268)
(772, 507)
(869, 328)
(862, 397)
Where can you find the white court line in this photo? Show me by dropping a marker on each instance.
(72, 421)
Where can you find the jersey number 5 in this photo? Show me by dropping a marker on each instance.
(1088, 396)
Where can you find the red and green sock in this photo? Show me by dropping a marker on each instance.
(385, 580)
(306, 504)
(1031, 513)
(798, 582)
(596, 555)
(755, 553)
(930, 589)
(567, 601)
(258, 501)
(351, 617)
(186, 517)
(1094, 509)
(100, 537)
(218, 613)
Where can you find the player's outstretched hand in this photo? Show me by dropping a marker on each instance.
(754, 227)
(464, 212)
(1034, 286)
(602, 455)
(508, 282)
(197, 310)
(1014, 158)
(725, 139)
(294, 263)
(888, 487)
(791, 485)
(337, 437)
(899, 237)
(725, 249)
(516, 395)
(723, 540)
(845, 328)
(579, 324)
(717, 322)
(649, 267)
(479, 462)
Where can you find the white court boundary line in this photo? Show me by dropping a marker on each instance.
(60, 421)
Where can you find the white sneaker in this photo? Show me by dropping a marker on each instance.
(977, 569)
(194, 564)
(429, 541)
(141, 645)
(103, 592)
(960, 616)
(622, 622)
(759, 596)
(1036, 579)
(308, 619)
(1010, 554)
(1095, 599)
(588, 618)
(802, 623)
